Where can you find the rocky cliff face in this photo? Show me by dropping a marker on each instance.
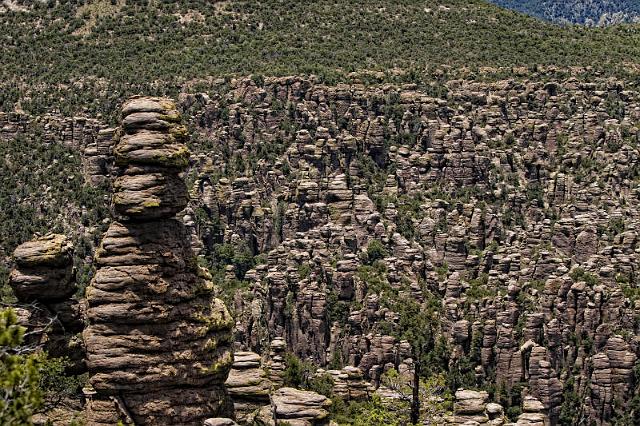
(508, 210)
(158, 343)
(511, 206)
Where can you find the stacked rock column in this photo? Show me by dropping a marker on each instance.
(44, 281)
(158, 343)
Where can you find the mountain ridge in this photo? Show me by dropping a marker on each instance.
(583, 12)
(75, 56)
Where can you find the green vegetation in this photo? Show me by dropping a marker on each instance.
(510, 397)
(579, 274)
(239, 256)
(571, 409)
(376, 251)
(297, 372)
(435, 401)
(629, 415)
(38, 182)
(590, 12)
(42, 190)
(91, 54)
(303, 375)
(374, 277)
(31, 382)
(371, 413)
(478, 289)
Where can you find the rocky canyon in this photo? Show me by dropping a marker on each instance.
(488, 237)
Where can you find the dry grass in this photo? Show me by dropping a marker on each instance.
(93, 11)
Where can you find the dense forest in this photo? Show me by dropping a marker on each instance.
(85, 56)
(585, 12)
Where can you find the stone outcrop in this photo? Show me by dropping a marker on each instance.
(533, 413)
(44, 283)
(248, 386)
(349, 384)
(507, 207)
(299, 408)
(158, 342)
(44, 269)
(510, 203)
(472, 407)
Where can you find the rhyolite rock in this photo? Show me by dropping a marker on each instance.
(300, 408)
(508, 207)
(488, 202)
(158, 342)
(248, 385)
(151, 154)
(44, 269)
(44, 280)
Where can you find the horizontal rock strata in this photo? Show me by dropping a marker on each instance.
(158, 342)
(44, 283)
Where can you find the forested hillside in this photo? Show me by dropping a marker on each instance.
(79, 55)
(586, 12)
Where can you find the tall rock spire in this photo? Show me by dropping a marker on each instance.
(158, 342)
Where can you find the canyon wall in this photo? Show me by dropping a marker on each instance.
(510, 208)
(506, 209)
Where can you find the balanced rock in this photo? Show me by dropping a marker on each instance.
(469, 408)
(158, 342)
(44, 269)
(44, 277)
(532, 413)
(151, 155)
(248, 385)
(349, 384)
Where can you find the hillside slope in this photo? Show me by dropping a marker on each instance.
(372, 183)
(77, 56)
(585, 12)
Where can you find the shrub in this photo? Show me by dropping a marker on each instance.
(376, 251)
(31, 381)
(297, 373)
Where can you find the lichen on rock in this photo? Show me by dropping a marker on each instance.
(157, 344)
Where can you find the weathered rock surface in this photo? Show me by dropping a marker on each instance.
(248, 386)
(301, 408)
(158, 343)
(533, 413)
(510, 202)
(470, 407)
(44, 280)
(349, 384)
(44, 269)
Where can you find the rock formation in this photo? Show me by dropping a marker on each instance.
(508, 208)
(44, 282)
(509, 204)
(248, 386)
(298, 408)
(349, 384)
(471, 408)
(158, 343)
(44, 269)
(532, 413)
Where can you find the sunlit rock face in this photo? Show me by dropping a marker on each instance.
(158, 342)
(44, 283)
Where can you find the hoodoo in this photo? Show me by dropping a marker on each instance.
(44, 283)
(158, 342)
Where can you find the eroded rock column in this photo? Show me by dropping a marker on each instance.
(44, 284)
(158, 343)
